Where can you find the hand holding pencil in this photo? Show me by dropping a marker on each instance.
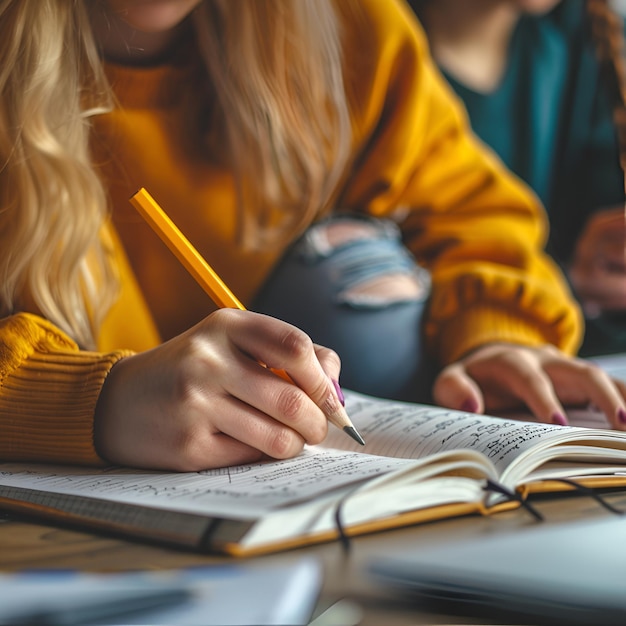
(211, 397)
(215, 287)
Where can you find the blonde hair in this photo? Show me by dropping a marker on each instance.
(276, 68)
(51, 202)
(276, 72)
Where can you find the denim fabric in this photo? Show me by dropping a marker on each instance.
(380, 343)
(358, 261)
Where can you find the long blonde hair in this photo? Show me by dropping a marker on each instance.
(276, 71)
(275, 68)
(51, 202)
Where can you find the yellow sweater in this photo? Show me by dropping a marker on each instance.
(469, 221)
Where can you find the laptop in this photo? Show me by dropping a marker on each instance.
(571, 573)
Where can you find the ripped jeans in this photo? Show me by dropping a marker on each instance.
(352, 286)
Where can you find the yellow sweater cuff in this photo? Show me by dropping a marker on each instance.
(48, 404)
(488, 325)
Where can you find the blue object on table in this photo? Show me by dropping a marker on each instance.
(274, 594)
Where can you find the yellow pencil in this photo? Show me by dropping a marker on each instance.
(206, 277)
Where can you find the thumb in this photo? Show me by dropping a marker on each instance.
(454, 389)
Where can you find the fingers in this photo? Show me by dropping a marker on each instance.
(600, 247)
(271, 406)
(603, 225)
(456, 390)
(580, 382)
(329, 360)
(216, 450)
(284, 347)
(542, 379)
(258, 430)
(204, 400)
(621, 388)
(534, 388)
(604, 290)
(614, 255)
(507, 377)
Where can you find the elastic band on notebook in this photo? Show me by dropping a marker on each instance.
(344, 539)
(592, 493)
(490, 485)
(513, 496)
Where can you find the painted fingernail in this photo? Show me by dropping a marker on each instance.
(470, 405)
(339, 392)
(621, 415)
(559, 419)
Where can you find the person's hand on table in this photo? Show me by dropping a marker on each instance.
(502, 377)
(598, 268)
(203, 400)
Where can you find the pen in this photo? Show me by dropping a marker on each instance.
(212, 284)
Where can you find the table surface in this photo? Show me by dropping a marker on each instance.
(32, 545)
(27, 544)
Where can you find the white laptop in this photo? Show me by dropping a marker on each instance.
(571, 573)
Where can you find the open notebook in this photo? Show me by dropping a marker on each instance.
(420, 463)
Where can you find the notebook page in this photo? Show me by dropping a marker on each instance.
(412, 431)
(244, 492)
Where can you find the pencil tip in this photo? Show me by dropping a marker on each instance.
(354, 433)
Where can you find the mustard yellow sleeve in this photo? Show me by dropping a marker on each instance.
(474, 225)
(48, 393)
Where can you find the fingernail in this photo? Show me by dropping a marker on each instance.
(470, 406)
(559, 419)
(339, 392)
(621, 414)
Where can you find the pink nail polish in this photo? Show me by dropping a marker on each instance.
(339, 393)
(621, 415)
(470, 406)
(559, 419)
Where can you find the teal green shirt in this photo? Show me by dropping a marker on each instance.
(550, 121)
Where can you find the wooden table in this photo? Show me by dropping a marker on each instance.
(25, 544)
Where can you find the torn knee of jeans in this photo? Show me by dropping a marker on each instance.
(384, 290)
(367, 262)
(323, 239)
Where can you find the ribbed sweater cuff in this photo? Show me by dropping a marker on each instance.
(48, 407)
(477, 326)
